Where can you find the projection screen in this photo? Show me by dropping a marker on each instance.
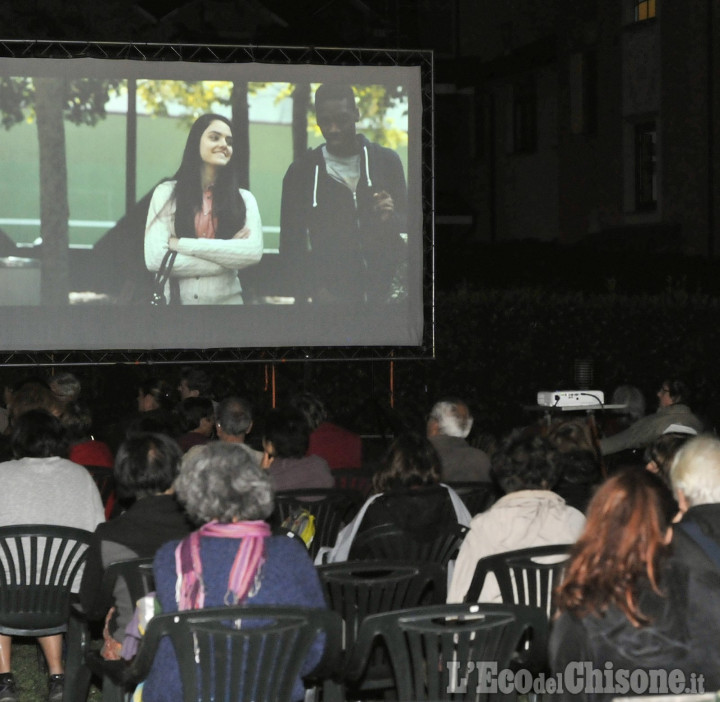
(331, 250)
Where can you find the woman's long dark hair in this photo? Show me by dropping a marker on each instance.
(228, 204)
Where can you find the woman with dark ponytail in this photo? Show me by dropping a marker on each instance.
(202, 214)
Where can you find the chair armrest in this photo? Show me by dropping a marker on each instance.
(358, 657)
(329, 666)
(476, 585)
(140, 665)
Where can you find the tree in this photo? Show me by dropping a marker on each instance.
(54, 209)
(48, 102)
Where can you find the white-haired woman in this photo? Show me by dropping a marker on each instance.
(232, 559)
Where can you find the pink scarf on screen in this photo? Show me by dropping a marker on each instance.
(190, 589)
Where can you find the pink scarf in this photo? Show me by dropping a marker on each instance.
(190, 589)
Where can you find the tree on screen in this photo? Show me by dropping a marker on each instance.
(373, 101)
(48, 102)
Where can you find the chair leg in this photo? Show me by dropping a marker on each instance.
(77, 674)
(112, 692)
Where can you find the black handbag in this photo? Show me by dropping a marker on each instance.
(157, 297)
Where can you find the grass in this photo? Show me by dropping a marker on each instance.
(31, 678)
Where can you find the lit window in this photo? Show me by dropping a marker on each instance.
(644, 10)
(645, 166)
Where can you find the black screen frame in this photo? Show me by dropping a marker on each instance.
(260, 54)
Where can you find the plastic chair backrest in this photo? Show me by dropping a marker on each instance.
(477, 496)
(525, 577)
(137, 574)
(357, 589)
(389, 542)
(332, 508)
(439, 653)
(259, 661)
(39, 565)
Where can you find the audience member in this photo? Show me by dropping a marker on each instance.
(194, 382)
(24, 395)
(660, 453)
(529, 514)
(233, 422)
(155, 412)
(623, 604)
(695, 477)
(448, 426)
(286, 438)
(40, 486)
(338, 446)
(84, 449)
(66, 388)
(198, 419)
(632, 408)
(577, 458)
(673, 397)
(145, 469)
(408, 494)
(30, 394)
(222, 489)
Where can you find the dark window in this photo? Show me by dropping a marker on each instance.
(583, 93)
(645, 166)
(525, 117)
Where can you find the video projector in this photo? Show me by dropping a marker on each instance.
(581, 399)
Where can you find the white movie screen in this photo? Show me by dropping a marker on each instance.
(190, 205)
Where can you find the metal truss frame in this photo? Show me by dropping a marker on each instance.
(221, 53)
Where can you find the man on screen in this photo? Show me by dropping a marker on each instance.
(343, 211)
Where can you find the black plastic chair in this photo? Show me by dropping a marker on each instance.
(257, 662)
(83, 661)
(39, 566)
(332, 508)
(525, 577)
(435, 651)
(477, 496)
(389, 542)
(357, 589)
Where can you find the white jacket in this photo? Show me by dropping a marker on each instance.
(521, 519)
(207, 268)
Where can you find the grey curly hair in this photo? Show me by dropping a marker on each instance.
(219, 481)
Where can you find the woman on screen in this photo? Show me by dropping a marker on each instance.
(212, 224)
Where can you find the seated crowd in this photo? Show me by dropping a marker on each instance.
(196, 483)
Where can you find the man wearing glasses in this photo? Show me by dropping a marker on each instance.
(672, 409)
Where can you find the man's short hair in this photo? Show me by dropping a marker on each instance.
(234, 415)
(696, 470)
(197, 379)
(678, 390)
(334, 91)
(453, 417)
(38, 434)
